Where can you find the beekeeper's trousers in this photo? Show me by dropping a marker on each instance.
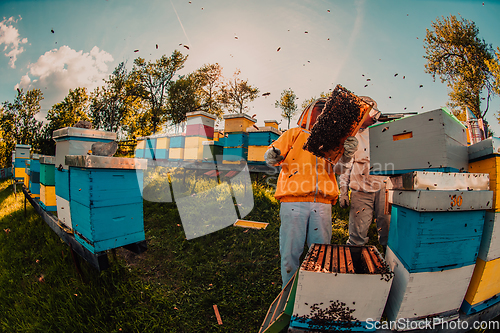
(301, 221)
(364, 207)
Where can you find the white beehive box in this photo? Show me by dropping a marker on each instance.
(417, 296)
(346, 282)
(429, 141)
(451, 181)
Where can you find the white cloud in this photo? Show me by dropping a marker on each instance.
(9, 37)
(59, 70)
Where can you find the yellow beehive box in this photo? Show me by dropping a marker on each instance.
(491, 166)
(162, 143)
(48, 195)
(193, 153)
(237, 122)
(20, 173)
(194, 142)
(256, 153)
(141, 144)
(485, 282)
(176, 154)
(271, 123)
(26, 180)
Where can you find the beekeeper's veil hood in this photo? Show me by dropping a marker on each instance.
(311, 113)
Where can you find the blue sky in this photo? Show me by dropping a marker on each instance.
(321, 44)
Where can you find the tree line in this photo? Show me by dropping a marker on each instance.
(133, 103)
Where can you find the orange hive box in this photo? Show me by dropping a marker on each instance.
(342, 116)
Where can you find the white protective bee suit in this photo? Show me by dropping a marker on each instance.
(367, 191)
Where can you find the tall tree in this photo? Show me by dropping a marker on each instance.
(18, 123)
(155, 79)
(209, 81)
(183, 98)
(236, 93)
(287, 104)
(73, 108)
(112, 104)
(456, 54)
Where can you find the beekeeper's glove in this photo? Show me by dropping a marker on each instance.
(273, 156)
(344, 197)
(350, 147)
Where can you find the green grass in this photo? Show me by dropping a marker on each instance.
(171, 287)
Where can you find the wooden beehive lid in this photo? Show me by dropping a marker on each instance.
(264, 129)
(45, 159)
(155, 136)
(105, 162)
(82, 132)
(22, 146)
(321, 143)
(239, 115)
(200, 113)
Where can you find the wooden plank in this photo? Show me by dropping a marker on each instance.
(368, 260)
(375, 258)
(308, 263)
(328, 257)
(342, 265)
(216, 310)
(335, 259)
(318, 265)
(250, 224)
(348, 258)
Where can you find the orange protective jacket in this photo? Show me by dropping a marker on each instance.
(303, 176)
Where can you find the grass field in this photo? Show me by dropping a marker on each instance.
(171, 287)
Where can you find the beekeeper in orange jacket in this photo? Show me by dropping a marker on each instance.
(306, 188)
(367, 191)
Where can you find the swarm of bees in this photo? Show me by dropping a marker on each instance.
(342, 114)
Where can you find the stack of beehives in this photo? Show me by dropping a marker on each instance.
(47, 183)
(19, 157)
(236, 140)
(199, 128)
(260, 139)
(437, 213)
(154, 147)
(484, 288)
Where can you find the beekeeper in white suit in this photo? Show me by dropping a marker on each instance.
(367, 191)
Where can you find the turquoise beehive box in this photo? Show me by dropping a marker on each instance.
(34, 185)
(106, 201)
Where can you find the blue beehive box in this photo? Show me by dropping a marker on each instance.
(177, 141)
(35, 175)
(106, 201)
(262, 138)
(236, 140)
(433, 241)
